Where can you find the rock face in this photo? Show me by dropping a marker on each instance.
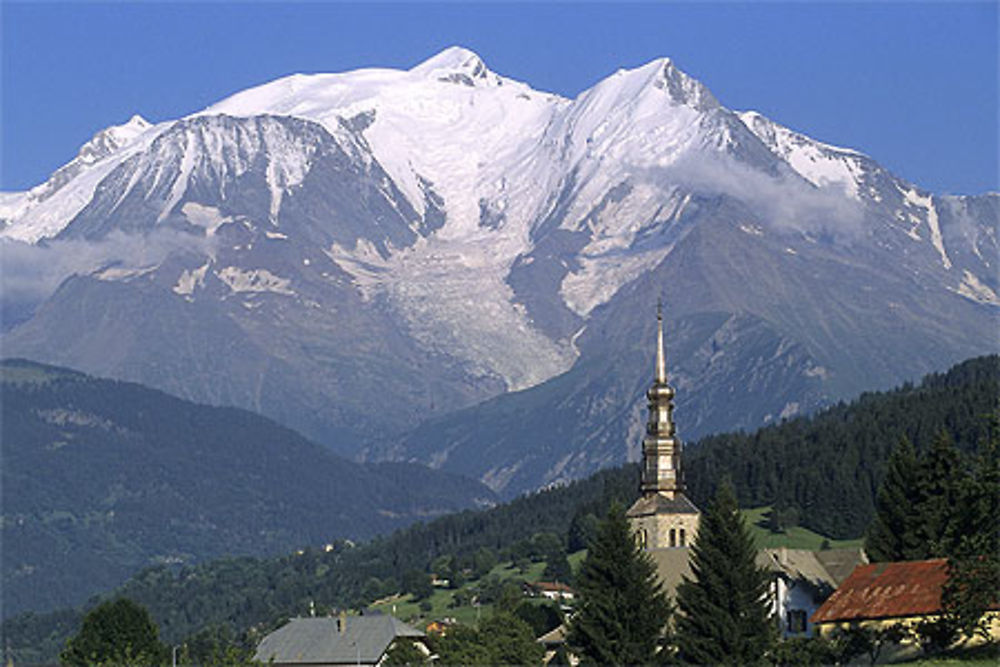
(445, 265)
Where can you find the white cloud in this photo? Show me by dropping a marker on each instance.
(30, 273)
(784, 203)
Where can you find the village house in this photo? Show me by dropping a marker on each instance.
(339, 640)
(550, 590)
(879, 595)
(801, 580)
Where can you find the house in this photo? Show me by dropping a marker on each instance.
(551, 590)
(441, 626)
(342, 640)
(882, 594)
(801, 580)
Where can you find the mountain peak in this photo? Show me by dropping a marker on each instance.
(454, 60)
(112, 138)
(681, 88)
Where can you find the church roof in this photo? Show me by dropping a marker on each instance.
(658, 503)
(672, 565)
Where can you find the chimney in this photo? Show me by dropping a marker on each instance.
(783, 556)
(342, 622)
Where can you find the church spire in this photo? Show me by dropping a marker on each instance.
(662, 517)
(661, 450)
(661, 362)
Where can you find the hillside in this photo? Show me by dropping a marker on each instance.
(827, 468)
(102, 478)
(242, 593)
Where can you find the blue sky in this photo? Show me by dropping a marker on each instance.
(914, 85)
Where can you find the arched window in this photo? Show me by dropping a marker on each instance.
(682, 538)
(673, 537)
(643, 538)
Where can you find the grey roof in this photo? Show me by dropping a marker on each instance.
(658, 503)
(363, 639)
(555, 636)
(797, 565)
(841, 562)
(824, 570)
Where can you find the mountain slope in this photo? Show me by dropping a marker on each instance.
(355, 253)
(727, 347)
(101, 478)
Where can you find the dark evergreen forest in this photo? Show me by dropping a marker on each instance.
(826, 469)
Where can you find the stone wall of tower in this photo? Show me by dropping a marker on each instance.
(665, 531)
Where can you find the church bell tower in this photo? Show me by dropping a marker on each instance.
(662, 517)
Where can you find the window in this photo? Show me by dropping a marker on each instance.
(673, 537)
(796, 620)
(682, 537)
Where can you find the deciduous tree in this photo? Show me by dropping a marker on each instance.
(116, 632)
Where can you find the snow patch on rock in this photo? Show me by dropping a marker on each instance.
(207, 217)
(926, 202)
(254, 280)
(973, 288)
(821, 164)
(190, 279)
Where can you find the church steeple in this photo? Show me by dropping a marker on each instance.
(661, 360)
(662, 517)
(661, 450)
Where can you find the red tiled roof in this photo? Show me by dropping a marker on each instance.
(556, 586)
(887, 590)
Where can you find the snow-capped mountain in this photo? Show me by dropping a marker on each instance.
(354, 253)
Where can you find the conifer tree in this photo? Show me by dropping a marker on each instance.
(725, 616)
(892, 535)
(941, 478)
(622, 610)
(974, 564)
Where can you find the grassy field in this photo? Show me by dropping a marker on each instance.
(405, 608)
(979, 656)
(794, 538)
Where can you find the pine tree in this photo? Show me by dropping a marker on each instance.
(892, 535)
(725, 613)
(974, 564)
(622, 610)
(941, 479)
